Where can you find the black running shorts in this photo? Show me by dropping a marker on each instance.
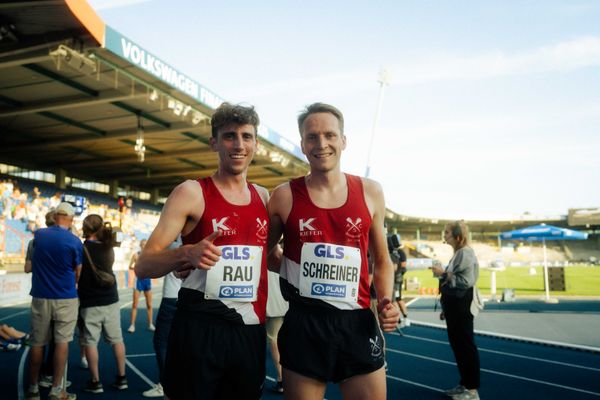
(330, 345)
(209, 358)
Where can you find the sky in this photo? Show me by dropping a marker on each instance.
(492, 109)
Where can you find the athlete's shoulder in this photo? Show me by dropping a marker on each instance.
(185, 194)
(281, 192)
(262, 192)
(373, 195)
(281, 200)
(189, 187)
(371, 187)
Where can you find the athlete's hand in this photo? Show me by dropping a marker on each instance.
(389, 314)
(274, 259)
(204, 254)
(183, 271)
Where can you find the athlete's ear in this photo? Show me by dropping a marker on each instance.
(343, 142)
(213, 143)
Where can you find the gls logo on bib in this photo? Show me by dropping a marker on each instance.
(326, 251)
(235, 253)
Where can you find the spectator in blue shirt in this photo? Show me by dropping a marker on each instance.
(56, 265)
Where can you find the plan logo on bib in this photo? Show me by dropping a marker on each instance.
(307, 227)
(328, 289)
(236, 292)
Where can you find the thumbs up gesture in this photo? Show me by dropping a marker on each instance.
(204, 254)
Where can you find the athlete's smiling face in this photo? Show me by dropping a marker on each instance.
(236, 145)
(322, 141)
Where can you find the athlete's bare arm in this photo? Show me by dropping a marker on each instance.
(280, 205)
(181, 213)
(383, 269)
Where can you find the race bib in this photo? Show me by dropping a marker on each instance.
(329, 272)
(236, 275)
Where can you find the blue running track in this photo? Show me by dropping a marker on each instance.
(421, 365)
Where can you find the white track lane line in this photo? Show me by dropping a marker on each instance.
(412, 301)
(141, 355)
(497, 373)
(20, 373)
(545, 360)
(129, 363)
(14, 315)
(20, 392)
(518, 338)
(139, 373)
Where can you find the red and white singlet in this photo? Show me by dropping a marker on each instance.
(325, 250)
(236, 288)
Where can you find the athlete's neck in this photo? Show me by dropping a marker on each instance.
(327, 190)
(229, 181)
(234, 188)
(331, 180)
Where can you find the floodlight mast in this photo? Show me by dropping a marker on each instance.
(384, 79)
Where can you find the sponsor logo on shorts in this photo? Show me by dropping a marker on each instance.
(376, 349)
(236, 292)
(328, 289)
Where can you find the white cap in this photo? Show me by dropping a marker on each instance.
(65, 208)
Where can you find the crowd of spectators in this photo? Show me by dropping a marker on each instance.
(29, 207)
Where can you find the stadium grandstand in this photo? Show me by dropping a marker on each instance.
(85, 111)
(423, 238)
(89, 116)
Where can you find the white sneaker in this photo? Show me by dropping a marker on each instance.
(459, 389)
(131, 329)
(156, 391)
(45, 381)
(151, 328)
(466, 395)
(83, 363)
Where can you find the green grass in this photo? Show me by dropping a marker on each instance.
(580, 281)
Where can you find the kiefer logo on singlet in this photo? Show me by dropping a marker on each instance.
(219, 224)
(307, 227)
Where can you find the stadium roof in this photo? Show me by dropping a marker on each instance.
(75, 95)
